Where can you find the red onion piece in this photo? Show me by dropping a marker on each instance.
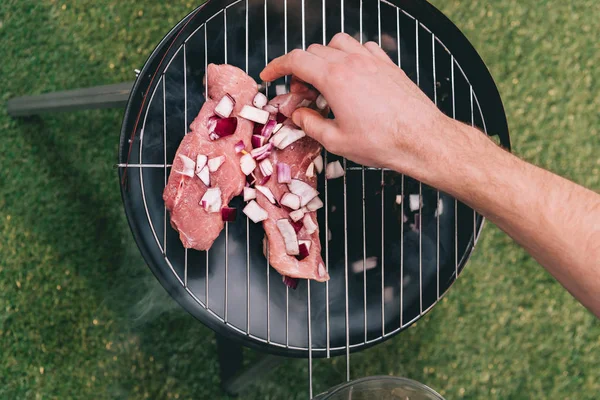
(298, 225)
(225, 106)
(334, 170)
(228, 214)
(224, 127)
(321, 102)
(297, 215)
(262, 152)
(189, 166)
(303, 249)
(286, 136)
(440, 208)
(315, 204)
(255, 212)
(280, 118)
(310, 171)
(414, 201)
(271, 109)
(247, 164)
(265, 179)
(260, 100)
(211, 201)
(289, 237)
(215, 163)
(200, 163)
(204, 176)
(269, 128)
(239, 146)
(281, 89)
(249, 193)
(318, 163)
(398, 199)
(257, 130)
(366, 264)
(254, 114)
(284, 173)
(267, 193)
(303, 190)
(292, 283)
(258, 141)
(309, 224)
(290, 200)
(266, 168)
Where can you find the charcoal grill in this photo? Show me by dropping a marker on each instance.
(389, 264)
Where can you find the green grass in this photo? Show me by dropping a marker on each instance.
(69, 270)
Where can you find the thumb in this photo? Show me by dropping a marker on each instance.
(322, 129)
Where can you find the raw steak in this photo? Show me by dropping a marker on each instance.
(197, 228)
(298, 156)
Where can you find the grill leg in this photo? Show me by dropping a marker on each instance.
(109, 96)
(234, 379)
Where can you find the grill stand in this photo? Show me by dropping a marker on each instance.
(108, 96)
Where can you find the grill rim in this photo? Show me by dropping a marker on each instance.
(453, 39)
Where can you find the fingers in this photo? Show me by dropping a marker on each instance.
(306, 66)
(322, 129)
(328, 53)
(378, 52)
(346, 43)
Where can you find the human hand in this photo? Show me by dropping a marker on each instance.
(382, 118)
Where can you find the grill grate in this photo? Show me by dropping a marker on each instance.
(213, 280)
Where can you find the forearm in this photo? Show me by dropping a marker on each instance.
(555, 220)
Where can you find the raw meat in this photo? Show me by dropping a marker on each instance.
(197, 228)
(299, 155)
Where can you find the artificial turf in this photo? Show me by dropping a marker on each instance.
(82, 317)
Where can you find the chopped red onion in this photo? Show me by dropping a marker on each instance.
(398, 199)
(257, 130)
(211, 201)
(249, 193)
(292, 283)
(298, 225)
(290, 200)
(254, 114)
(303, 249)
(262, 152)
(258, 141)
(225, 106)
(414, 201)
(302, 190)
(268, 129)
(284, 173)
(309, 224)
(247, 164)
(365, 264)
(297, 215)
(271, 109)
(260, 100)
(277, 127)
(228, 214)
(240, 146)
(322, 271)
(321, 102)
(200, 163)
(189, 166)
(334, 170)
(318, 163)
(304, 103)
(281, 89)
(223, 127)
(215, 163)
(310, 171)
(204, 176)
(286, 136)
(440, 208)
(266, 168)
(266, 192)
(315, 204)
(265, 179)
(289, 237)
(280, 118)
(255, 212)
